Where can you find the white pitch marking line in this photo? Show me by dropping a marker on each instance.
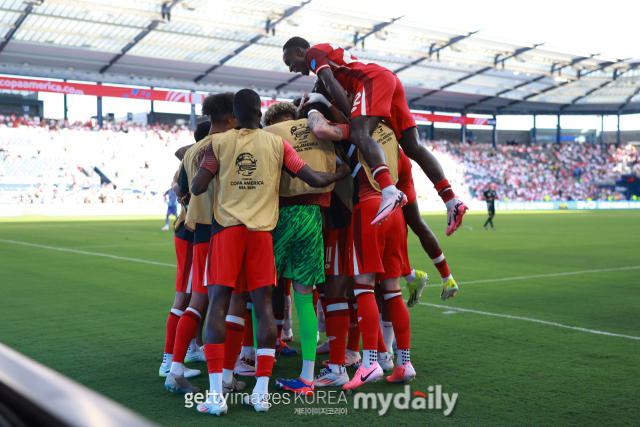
(87, 253)
(544, 322)
(506, 279)
(122, 246)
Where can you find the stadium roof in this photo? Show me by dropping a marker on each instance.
(208, 45)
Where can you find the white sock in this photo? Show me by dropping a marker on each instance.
(248, 351)
(167, 359)
(403, 357)
(387, 335)
(369, 357)
(352, 353)
(215, 386)
(451, 203)
(389, 191)
(227, 376)
(411, 277)
(177, 368)
(262, 386)
(193, 346)
(307, 370)
(444, 279)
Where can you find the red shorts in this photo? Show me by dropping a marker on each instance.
(200, 251)
(241, 259)
(383, 95)
(184, 254)
(380, 249)
(336, 251)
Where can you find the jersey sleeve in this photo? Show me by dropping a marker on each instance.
(346, 131)
(209, 161)
(292, 163)
(183, 179)
(316, 59)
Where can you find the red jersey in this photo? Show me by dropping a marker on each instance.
(346, 68)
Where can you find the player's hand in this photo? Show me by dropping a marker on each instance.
(344, 171)
(197, 159)
(316, 97)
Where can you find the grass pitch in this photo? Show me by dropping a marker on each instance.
(101, 320)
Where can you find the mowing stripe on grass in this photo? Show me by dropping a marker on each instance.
(87, 253)
(506, 279)
(544, 322)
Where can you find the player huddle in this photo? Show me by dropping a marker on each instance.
(316, 197)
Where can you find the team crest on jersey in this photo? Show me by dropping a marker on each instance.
(313, 64)
(246, 164)
(300, 132)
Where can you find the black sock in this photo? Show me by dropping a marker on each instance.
(487, 222)
(491, 221)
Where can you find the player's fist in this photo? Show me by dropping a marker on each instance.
(316, 97)
(344, 171)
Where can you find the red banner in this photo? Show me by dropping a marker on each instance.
(461, 120)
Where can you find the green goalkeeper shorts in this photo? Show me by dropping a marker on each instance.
(297, 244)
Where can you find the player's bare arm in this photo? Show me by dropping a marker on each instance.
(335, 90)
(322, 128)
(317, 179)
(201, 181)
(180, 152)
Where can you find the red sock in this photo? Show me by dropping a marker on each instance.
(235, 330)
(440, 263)
(444, 190)
(247, 339)
(381, 347)
(381, 174)
(367, 315)
(354, 329)
(399, 318)
(187, 328)
(279, 323)
(264, 365)
(214, 355)
(336, 317)
(172, 325)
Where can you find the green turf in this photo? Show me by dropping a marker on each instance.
(101, 321)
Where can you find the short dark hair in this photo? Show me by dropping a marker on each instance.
(297, 101)
(296, 42)
(246, 104)
(202, 130)
(277, 110)
(217, 106)
(323, 109)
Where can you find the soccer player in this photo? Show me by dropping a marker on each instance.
(219, 109)
(377, 254)
(183, 241)
(297, 239)
(245, 166)
(172, 207)
(490, 196)
(379, 95)
(416, 280)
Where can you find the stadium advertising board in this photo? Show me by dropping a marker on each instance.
(573, 205)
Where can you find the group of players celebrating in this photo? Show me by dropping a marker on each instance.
(335, 222)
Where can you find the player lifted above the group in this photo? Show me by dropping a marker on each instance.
(379, 95)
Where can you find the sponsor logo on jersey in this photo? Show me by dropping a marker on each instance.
(300, 132)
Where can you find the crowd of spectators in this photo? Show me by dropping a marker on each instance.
(58, 162)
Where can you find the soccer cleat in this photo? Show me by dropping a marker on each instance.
(349, 361)
(493, 228)
(364, 376)
(284, 350)
(179, 384)
(328, 378)
(212, 407)
(386, 361)
(195, 356)
(245, 367)
(449, 289)
(402, 373)
(296, 385)
(323, 348)
(455, 211)
(415, 288)
(259, 402)
(165, 228)
(287, 335)
(188, 373)
(388, 205)
(233, 386)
